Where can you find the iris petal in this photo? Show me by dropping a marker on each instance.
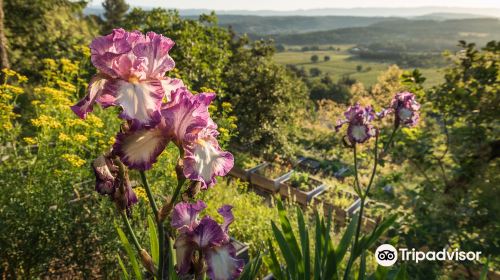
(185, 215)
(208, 233)
(139, 149)
(222, 263)
(94, 91)
(184, 249)
(141, 100)
(204, 159)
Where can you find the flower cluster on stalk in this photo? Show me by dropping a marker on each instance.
(158, 110)
(359, 119)
(204, 241)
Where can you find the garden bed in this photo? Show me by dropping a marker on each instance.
(268, 176)
(244, 164)
(301, 187)
(308, 165)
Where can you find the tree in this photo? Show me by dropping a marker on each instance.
(314, 58)
(38, 29)
(314, 72)
(326, 58)
(4, 60)
(114, 12)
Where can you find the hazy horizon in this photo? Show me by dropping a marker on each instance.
(284, 5)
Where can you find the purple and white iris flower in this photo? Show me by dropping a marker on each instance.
(185, 121)
(208, 238)
(358, 118)
(406, 109)
(131, 75)
(108, 182)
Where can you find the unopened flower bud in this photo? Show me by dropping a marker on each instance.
(147, 261)
(179, 169)
(193, 189)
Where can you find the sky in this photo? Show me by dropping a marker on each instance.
(288, 5)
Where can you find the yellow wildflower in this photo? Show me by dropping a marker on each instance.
(97, 134)
(141, 193)
(73, 159)
(35, 102)
(226, 106)
(29, 140)
(111, 140)
(46, 121)
(76, 122)
(94, 121)
(80, 138)
(9, 72)
(64, 137)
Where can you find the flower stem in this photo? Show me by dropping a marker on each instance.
(363, 197)
(159, 225)
(131, 232)
(391, 138)
(356, 178)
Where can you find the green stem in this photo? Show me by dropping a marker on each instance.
(159, 225)
(375, 164)
(356, 178)
(391, 138)
(363, 197)
(131, 231)
(149, 193)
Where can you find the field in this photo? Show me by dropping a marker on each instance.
(343, 63)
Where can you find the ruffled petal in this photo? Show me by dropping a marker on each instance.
(94, 91)
(227, 213)
(204, 159)
(186, 113)
(106, 50)
(222, 263)
(139, 149)
(154, 53)
(171, 85)
(208, 233)
(141, 100)
(185, 215)
(184, 249)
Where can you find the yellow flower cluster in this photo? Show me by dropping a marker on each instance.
(94, 121)
(29, 140)
(69, 87)
(46, 121)
(73, 159)
(141, 193)
(80, 138)
(68, 66)
(64, 137)
(76, 122)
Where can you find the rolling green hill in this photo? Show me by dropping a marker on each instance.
(415, 35)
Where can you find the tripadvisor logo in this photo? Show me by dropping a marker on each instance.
(387, 255)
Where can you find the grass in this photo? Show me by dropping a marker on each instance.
(342, 63)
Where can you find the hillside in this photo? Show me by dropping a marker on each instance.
(265, 25)
(413, 35)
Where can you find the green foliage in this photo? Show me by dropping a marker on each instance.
(455, 154)
(252, 227)
(314, 58)
(50, 219)
(300, 180)
(275, 94)
(114, 12)
(38, 29)
(320, 259)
